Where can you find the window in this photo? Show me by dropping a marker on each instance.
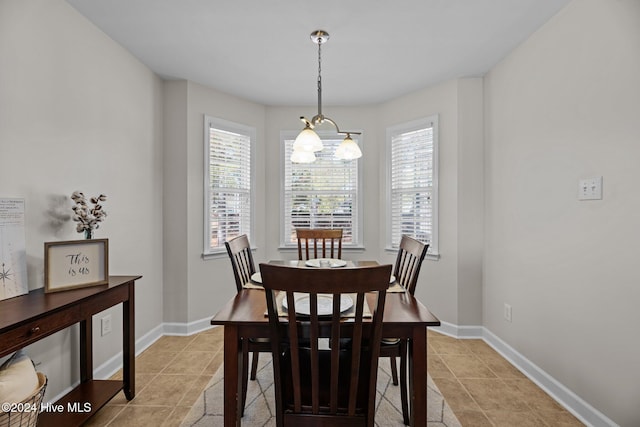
(227, 189)
(412, 153)
(322, 194)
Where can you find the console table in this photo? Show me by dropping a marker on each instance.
(31, 317)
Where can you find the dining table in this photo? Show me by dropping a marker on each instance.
(244, 317)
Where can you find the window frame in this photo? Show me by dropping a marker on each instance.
(358, 218)
(226, 126)
(391, 131)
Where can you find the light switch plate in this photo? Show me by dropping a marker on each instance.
(590, 188)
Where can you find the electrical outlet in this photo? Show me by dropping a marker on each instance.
(507, 312)
(106, 324)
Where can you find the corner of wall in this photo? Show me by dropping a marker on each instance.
(470, 197)
(175, 269)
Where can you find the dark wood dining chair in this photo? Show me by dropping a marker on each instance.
(325, 368)
(239, 251)
(328, 240)
(411, 253)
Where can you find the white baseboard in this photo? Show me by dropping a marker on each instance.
(565, 397)
(460, 332)
(186, 329)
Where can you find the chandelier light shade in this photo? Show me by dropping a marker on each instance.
(308, 142)
(348, 149)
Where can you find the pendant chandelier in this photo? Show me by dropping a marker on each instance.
(307, 143)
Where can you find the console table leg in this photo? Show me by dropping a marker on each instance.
(86, 350)
(128, 345)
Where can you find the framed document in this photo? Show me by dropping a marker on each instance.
(75, 264)
(13, 253)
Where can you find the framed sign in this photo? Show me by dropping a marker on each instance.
(75, 264)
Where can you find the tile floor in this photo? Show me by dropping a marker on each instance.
(481, 387)
(170, 375)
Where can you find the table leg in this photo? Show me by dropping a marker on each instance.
(86, 350)
(232, 373)
(418, 376)
(129, 345)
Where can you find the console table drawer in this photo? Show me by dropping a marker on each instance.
(40, 328)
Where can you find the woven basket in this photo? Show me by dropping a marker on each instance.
(30, 405)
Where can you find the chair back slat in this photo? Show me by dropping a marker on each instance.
(355, 360)
(295, 358)
(239, 251)
(411, 253)
(335, 356)
(328, 240)
(315, 360)
(325, 366)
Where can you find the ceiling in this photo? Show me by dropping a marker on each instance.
(260, 50)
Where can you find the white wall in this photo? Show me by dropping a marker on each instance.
(78, 112)
(195, 289)
(175, 204)
(211, 282)
(453, 282)
(565, 105)
(470, 195)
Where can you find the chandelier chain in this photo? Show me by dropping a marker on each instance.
(320, 78)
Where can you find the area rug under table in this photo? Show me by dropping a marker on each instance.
(259, 410)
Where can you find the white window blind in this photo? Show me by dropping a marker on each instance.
(322, 194)
(227, 182)
(413, 165)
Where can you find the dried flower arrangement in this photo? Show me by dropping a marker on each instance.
(88, 218)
